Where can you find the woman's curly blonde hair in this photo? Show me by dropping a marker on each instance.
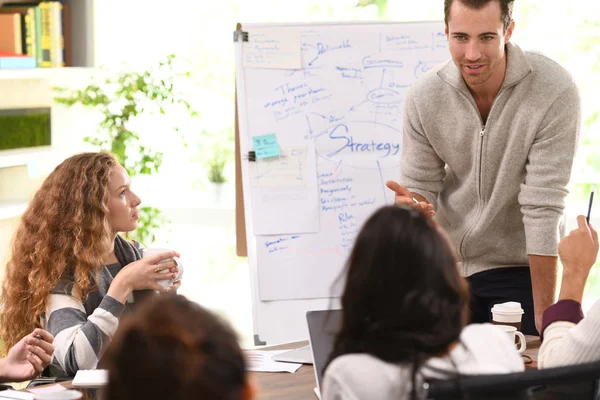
(65, 231)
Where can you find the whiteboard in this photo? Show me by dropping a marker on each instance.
(346, 103)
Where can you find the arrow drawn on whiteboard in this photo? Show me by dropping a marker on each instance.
(353, 108)
(310, 131)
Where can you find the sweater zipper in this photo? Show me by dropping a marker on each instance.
(460, 248)
(481, 134)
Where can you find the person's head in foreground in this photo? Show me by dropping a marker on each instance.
(172, 348)
(68, 229)
(404, 300)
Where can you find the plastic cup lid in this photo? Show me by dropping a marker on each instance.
(510, 307)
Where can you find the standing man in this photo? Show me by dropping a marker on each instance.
(488, 146)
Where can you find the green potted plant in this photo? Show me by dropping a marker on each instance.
(215, 150)
(120, 99)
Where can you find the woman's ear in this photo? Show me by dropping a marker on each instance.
(249, 390)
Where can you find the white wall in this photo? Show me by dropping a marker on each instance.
(69, 126)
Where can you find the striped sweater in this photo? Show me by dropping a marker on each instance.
(82, 330)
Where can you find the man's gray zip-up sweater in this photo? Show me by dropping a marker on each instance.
(498, 189)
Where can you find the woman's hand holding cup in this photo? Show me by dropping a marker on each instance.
(145, 274)
(167, 281)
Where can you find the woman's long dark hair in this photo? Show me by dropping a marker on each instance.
(404, 300)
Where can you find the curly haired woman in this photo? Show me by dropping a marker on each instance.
(70, 271)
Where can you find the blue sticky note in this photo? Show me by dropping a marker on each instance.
(266, 146)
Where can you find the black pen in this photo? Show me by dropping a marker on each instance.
(590, 205)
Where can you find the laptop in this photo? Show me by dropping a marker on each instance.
(322, 327)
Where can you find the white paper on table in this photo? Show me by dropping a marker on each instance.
(91, 378)
(273, 48)
(13, 394)
(262, 361)
(47, 389)
(284, 192)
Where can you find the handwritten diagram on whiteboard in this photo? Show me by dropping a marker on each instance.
(284, 191)
(288, 169)
(347, 102)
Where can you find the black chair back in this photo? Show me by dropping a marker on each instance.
(568, 383)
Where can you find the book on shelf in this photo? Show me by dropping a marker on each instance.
(42, 28)
(10, 33)
(10, 60)
(27, 15)
(38, 35)
(66, 31)
(52, 37)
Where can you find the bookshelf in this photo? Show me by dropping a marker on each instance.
(17, 184)
(80, 26)
(40, 73)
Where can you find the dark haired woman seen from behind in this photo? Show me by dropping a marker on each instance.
(405, 308)
(172, 348)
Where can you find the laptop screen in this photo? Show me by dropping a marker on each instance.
(323, 325)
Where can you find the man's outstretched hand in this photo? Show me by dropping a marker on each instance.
(405, 197)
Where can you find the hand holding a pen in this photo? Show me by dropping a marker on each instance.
(578, 252)
(404, 196)
(27, 359)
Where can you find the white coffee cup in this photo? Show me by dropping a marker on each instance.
(165, 282)
(512, 332)
(59, 395)
(509, 313)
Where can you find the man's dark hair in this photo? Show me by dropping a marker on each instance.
(506, 8)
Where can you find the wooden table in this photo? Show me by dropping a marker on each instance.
(299, 385)
(533, 347)
(283, 385)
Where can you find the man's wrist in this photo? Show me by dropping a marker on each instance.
(542, 305)
(544, 281)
